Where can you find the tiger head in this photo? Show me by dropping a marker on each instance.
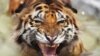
(49, 27)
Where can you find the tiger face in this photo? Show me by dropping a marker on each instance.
(48, 27)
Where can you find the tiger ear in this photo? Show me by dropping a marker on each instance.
(13, 5)
(67, 3)
(16, 6)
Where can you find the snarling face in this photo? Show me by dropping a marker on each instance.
(47, 27)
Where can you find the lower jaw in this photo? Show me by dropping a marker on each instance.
(49, 55)
(45, 54)
(48, 50)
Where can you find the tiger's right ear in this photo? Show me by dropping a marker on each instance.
(67, 3)
(16, 6)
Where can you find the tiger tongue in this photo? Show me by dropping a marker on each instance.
(47, 50)
(50, 51)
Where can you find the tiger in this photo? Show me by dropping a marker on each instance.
(47, 28)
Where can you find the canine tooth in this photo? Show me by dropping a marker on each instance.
(57, 44)
(47, 45)
(53, 46)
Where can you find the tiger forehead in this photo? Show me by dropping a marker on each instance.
(49, 13)
(43, 6)
(50, 17)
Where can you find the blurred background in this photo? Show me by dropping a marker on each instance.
(88, 20)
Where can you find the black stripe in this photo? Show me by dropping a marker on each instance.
(70, 6)
(38, 15)
(19, 39)
(19, 25)
(19, 9)
(48, 1)
(38, 8)
(36, 5)
(30, 17)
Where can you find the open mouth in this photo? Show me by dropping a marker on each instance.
(49, 46)
(48, 50)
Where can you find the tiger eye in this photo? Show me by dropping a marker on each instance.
(38, 8)
(65, 24)
(37, 22)
(45, 6)
(61, 22)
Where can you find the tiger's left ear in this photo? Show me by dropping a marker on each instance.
(16, 6)
(67, 3)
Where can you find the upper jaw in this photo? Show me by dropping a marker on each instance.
(48, 48)
(56, 39)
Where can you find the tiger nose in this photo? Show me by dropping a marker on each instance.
(50, 38)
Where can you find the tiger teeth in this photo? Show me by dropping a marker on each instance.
(53, 46)
(48, 45)
(56, 45)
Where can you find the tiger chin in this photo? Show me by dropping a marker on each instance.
(47, 28)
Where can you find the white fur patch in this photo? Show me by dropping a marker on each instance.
(59, 15)
(41, 38)
(60, 38)
(37, 13)
(70, 33)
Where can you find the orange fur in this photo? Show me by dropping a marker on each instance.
(50, 27)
